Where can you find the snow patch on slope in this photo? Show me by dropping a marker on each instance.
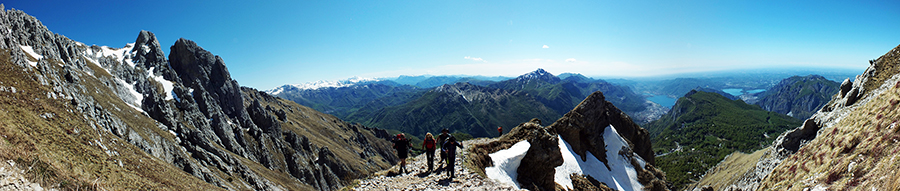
(121, 54)
(275, 91)
(132, 98)
(95, 62)
(620, 175)
(169, 86)
(28, 50)
(126, 91)
(506, 163)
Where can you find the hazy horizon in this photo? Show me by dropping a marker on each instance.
(269, 44)
(832, 74)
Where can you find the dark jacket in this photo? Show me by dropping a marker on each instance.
(443, 138)
(402, 146)
(450, 147)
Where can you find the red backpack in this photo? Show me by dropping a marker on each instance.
(429, 143)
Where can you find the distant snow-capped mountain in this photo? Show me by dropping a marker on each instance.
(324, 84)
(539, 74)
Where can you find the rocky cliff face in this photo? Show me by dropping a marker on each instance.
(584, 131)
(185, 112)
(799, 96)
(849, 144)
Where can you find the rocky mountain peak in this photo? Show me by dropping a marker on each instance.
(595, 132)
(147, 50)
(201, 70)
(593, 115)
(539, 74)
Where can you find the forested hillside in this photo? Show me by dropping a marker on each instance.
(702, 128)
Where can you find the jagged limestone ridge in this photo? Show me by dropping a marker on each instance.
(187, 112)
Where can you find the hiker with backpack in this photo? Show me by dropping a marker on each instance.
(429, 144)
(402, 145)
(445, 133)
(450, 147)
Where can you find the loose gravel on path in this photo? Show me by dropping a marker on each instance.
(12, 178)
(420, 179)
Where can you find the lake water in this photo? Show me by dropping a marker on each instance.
(755, 91)
(665, 101)
(734, 92)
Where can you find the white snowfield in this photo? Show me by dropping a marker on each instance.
(620, 175)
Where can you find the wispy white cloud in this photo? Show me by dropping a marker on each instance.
(545, 46)
(571, 60)
(475, 59)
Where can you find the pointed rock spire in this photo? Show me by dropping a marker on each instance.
(149, 54)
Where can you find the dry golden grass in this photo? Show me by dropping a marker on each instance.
(858, 153)
(888, 66)
(730, 170)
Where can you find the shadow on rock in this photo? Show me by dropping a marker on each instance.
(447, 181)
(423, 174)
(392, 173)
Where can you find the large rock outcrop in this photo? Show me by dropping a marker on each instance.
(537, 167)
(183, 113)
(583, 128)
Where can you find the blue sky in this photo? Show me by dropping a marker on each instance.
(271, 43)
